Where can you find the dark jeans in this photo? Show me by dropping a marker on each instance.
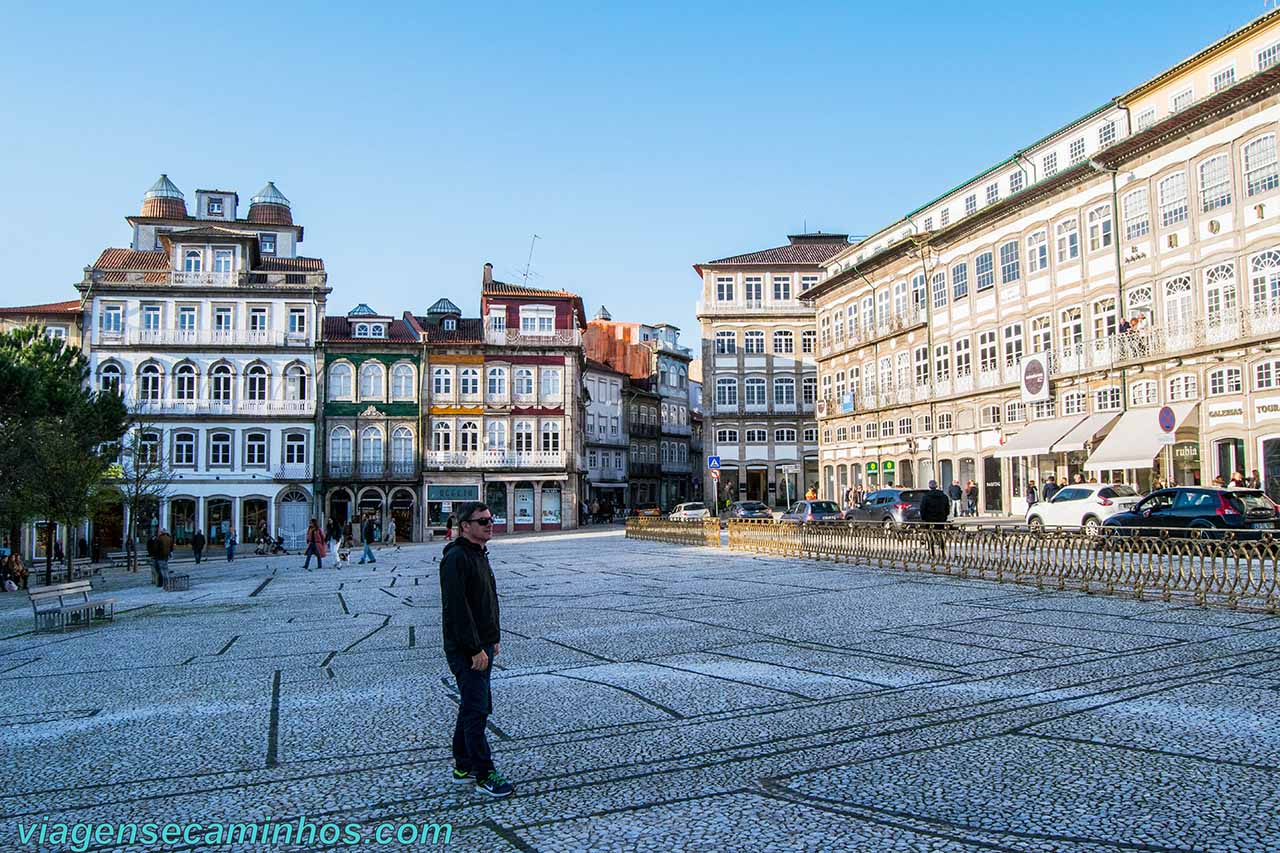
(311, 551)
(162, 570)
(197, 553)
(470, 745)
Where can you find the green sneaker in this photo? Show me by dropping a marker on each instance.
(495, 785)
(460, 776)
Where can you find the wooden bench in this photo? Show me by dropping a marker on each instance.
(119, 559)
(68, 604)
(177, 581)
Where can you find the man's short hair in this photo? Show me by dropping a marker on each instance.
(469, 509)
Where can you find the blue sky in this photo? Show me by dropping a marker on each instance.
(417, 142)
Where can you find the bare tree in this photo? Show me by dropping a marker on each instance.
(144, 477)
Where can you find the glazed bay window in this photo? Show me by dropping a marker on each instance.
(537, 320)
(726, 343)
(724, 288)
(964, 357)
(1137, 222)
(1100, 226)
(960, 281)
(1068, 240)
(1260, 174)
(1106, 400)
(942, 362)
(984, 270)
(782, 288)
(1038, 252)
(1072, 321)
(1173, 199)
(753, 291)
(939, 290)
(1013, 344)
(1010, 266)
(987, 357)
(1215, 183)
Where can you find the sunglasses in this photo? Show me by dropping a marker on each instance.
(486, 521)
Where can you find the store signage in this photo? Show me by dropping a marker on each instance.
(846, 403)
(1035, 378)
(453, 493)
(888, 466)
(872, 468)
(1227, 414)
(1266, 408)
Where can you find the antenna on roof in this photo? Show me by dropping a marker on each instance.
(805, 228)
(529, 262)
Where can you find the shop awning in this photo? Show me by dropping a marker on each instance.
(1036, 438)
(1135, 439)
(1084, 432)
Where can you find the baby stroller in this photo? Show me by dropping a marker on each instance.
(277, 546)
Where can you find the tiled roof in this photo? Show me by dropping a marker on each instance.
(797, 253)
(470, 331)
(268, 264)
(71, 306)
(270, 214)
(339, 329)
(217, 232)
(164, 208)
(504, 289)
(131, 259)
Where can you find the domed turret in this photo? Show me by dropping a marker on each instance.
(164, 201)
(270, 207)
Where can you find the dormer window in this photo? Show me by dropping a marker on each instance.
(191, 261)
(267, 244)
(377, 330)
(222, 260)
(537, 320)
(215, 207)
(362, 330)
(450, 324)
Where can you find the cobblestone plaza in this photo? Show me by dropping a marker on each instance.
(654, 697)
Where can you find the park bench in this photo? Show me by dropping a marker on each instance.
(119, 559)
(66, 604)
(177, 582)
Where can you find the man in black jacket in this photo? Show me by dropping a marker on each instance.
(934, 509)
(469, 597)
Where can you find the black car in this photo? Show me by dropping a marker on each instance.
(1247, 512)
(888, 507)
(749, 509)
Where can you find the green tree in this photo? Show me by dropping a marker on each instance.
(58, 436)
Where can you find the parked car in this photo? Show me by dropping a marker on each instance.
(648, 510)
(1082, 505)
(812, 511)
(1248, 512)
(688, 511)
(888, 507)
(749, 509)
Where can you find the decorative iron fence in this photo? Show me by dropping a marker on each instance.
(1205, 566)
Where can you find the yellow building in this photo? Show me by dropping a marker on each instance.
(60, 319)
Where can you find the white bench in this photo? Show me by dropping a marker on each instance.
(56, 607)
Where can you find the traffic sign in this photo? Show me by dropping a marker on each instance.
(713, 462)
(715, 474)
(1166, 438)
(1166, 419)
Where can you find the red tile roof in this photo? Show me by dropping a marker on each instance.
(794, 253)
(131, 259)
(71, 306)
(270, 214)
(269, 264)
(502, 288)
(339, 329)
(164, 208)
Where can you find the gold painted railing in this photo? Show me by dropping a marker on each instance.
(704, 531)
(1209, 566)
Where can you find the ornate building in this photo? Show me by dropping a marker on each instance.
(208, 324)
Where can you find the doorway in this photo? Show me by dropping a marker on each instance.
(758, 484)
(1228, 454)
(991, 484)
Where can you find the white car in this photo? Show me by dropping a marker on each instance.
(686, 512)
(1082, 505)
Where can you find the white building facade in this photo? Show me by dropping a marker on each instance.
(208, 325)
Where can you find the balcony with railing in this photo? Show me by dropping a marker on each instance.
(293, 472)
(187, 278)
(191, 278)
(205, 406)
(518, 338)
(868, 334)
(606, 475)
(755, 307)
(486, 459)
(214, 337)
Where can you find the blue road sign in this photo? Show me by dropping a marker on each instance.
(713, 462)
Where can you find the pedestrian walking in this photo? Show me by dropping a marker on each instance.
(231, 545)
(197, 545)
(472, 635)
(391, 532)
(971, 498)
(956, 494)
(315, 546)
(448, 528)
(935, 506)
(1050, 488)
(1031, 492)
(369, 533)
(159, 548)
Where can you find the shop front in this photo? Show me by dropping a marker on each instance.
(1138, 449)
(443, 499)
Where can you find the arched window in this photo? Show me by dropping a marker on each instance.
(402, 446)
(496, 379)
(726, 436)
(442, 436)
(149, 382)
(496, 435)
(371, 448)
(295, 449)
(1185, 387)
(1144, 393)
(1220, 293)
(148, 448)
(809, 390)
(726, 343)
(1225, 380)
(666, 453)
(549, 379)
(1179, 309)
(340, 444)
(1100, 227)
(784, 342)
(402, 382)
(220, 383)
(1138, 301)
(522, 381)
(784, 391)
(295, 382)
(1264, 278)
(442, 381)
(191, 261)
(469, 382)
(753, 342)
(255, 450)
(371, 384)
(109, 379)
(468, 437)
(255, 383)
(755, 391)
(362, 330)
(184, 382)
(551, 437)
(340, 381)
(726, 391)
(522, 436)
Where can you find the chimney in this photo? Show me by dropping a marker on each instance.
(487, 278)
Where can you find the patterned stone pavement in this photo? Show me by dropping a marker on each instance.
(654, 697)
